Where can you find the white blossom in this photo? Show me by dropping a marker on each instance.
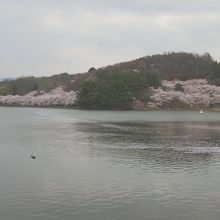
(57, 97)
(195, 93)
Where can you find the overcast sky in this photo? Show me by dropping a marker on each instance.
(45, 37)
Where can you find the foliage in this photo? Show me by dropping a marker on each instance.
(120, 85)
(49, 83)
(196, 93)
(56, 97)
(6, 88)
(24, 85)
(110, 90)
(181, 65)
(179, 87)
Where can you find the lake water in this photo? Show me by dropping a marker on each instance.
(96, 165)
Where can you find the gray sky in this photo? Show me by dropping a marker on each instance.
(45, 37)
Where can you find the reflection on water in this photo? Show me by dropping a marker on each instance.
(160, 146)
(108, 165)
(178, 136)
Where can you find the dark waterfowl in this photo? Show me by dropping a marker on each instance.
(33, 157)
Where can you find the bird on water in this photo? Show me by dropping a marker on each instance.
(33, 157)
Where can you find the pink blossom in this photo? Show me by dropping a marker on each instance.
(57, 97)
(196, 93)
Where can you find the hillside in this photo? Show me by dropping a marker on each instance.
(182, 66)
(127, 85)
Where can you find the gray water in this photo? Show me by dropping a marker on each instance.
(109, 165)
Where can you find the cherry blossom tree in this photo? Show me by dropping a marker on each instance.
(57, 97)
(195, 93)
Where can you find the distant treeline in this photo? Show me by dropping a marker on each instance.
(115, 86)
(24, 85)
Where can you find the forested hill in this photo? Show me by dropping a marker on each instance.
(168, 66)
(182, 66)
(119, 86)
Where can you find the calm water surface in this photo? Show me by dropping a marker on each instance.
(109, 165)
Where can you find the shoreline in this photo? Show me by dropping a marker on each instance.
(113, 110)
